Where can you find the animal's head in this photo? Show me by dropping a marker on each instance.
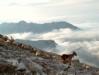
(74, 53)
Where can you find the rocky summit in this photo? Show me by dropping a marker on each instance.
(22, 59)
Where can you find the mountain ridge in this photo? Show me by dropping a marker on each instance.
(23, 26)
(41, 44)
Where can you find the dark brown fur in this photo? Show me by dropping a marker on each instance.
(67, 58)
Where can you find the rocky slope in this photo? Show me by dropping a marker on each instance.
(22, 59)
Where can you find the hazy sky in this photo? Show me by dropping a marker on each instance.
(74, 11)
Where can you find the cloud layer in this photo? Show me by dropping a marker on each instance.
(85, 43)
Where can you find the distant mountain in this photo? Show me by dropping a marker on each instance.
(41, 44)
(23, 26)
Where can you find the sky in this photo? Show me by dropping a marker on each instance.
(79, 12)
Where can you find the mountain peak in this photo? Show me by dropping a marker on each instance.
(22, 22)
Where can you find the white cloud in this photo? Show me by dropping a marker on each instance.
(85, 43)
(23, 35)
(62, 35)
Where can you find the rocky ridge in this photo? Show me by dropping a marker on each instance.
(22, 59)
